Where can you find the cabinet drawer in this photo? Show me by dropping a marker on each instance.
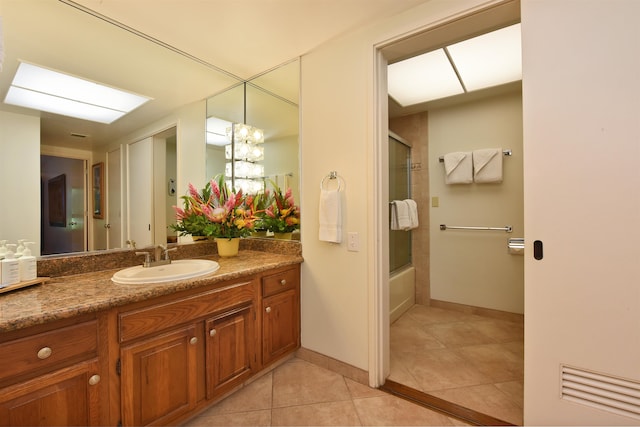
(158, 317)
(50, 348)
(282, 281)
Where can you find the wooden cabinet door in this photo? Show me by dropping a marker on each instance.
(280, 325)
(231, 356)
(159, 378)
(66, 397)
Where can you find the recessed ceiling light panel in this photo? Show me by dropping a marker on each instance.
(423, 78)
(55, 92)
(490, 59)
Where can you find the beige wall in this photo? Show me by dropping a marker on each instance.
(20, 178)
(473, 267)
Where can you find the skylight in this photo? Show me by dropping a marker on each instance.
(484, 61)
(55, 92)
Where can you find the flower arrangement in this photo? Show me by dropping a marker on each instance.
(216, 211)
(281, 215)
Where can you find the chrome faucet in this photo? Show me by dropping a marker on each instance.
(161, 256)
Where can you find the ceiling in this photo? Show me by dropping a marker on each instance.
(175, 51)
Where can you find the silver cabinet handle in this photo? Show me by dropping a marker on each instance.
(212, 332)
(95, 379)
(268, 309)
(283, 282)
(44, 352)
(193, 340)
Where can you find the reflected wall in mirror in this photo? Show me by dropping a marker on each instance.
(63, 36)
(269, 103)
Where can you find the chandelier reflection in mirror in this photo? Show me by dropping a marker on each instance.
(244, 152)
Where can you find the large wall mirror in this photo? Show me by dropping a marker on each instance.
(64, 36)
(268, 103)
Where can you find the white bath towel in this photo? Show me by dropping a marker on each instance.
(487, 165)
(413, 213)
(330, 216)
(458, 168)
(400, 215)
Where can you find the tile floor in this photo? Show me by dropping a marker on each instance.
(299, 393)
(474, 361)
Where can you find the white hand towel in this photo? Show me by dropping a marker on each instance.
(487, 165)
(400, 215)
(458, 168)
(330, 216)
(413, 213)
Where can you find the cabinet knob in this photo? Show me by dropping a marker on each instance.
(268, 309)
(212, 332)
(44, 352)
(193, 340)
(283, 282)
(95, 379)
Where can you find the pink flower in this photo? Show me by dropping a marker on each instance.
(193, 191)
(214, 214)
(269, 212)
(215, 188)
(180, 213)
(230, 203)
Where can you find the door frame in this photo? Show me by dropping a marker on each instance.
(481, 18)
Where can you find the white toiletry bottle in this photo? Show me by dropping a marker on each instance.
(20, 248)
(3, 249)
(28, 265)
(10, 268)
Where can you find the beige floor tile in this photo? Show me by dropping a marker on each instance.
(430, 315)
(319, 414)
(487, 399)
(411, 339)
(253, 397)
(301, 383)
(357, 390)
(252, 418)
(391, 411)
(494, 361)
(515, 347)
(513, 389)
(400, 374)
(441, 369)
(458, 334)
(500, 330)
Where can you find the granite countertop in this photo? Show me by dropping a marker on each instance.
(67, 296)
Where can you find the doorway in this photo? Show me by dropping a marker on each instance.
(63, 221)
(454, 351)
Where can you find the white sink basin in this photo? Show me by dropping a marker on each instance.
(177, 270)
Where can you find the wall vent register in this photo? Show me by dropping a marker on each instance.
(601, 391)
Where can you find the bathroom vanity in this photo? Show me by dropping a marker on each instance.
(82, 350)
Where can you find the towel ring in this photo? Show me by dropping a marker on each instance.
(332, 175)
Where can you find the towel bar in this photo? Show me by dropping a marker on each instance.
(506, 152)
(506, 228)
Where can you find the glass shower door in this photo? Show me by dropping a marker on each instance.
(399, 189)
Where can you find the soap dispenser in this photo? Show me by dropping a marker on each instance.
(28, 265)
(20, 248)
(10, 268)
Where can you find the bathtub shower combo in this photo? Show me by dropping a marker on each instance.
(402, 272)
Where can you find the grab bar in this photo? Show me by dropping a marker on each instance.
(506, 228)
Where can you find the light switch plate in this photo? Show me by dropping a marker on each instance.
(353, 241)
